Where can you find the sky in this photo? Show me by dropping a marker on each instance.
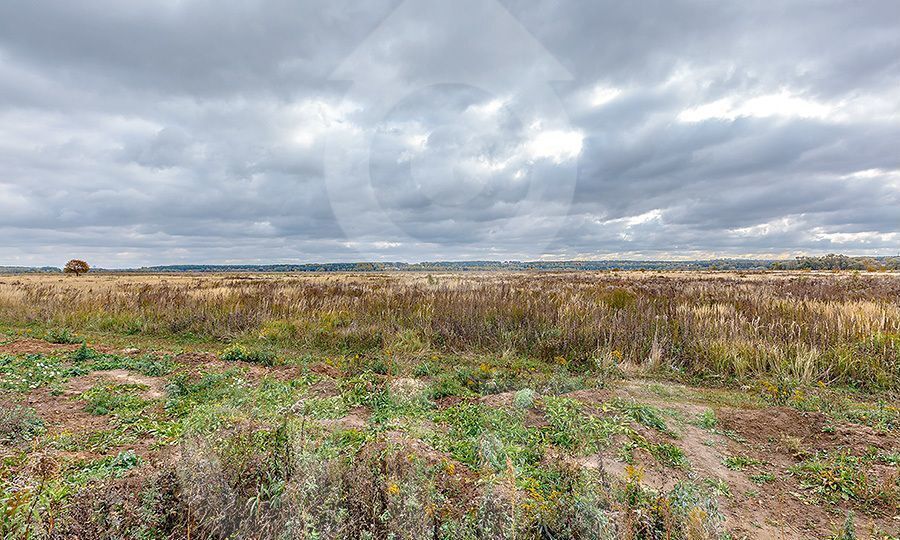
(262, 131)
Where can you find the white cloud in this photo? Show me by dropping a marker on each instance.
(776, 226)
(863, 237)
(601, 95)
(890, 177)
(557, 145)
(120, 154)
(315, 119)
(488, 109)
(781, 104)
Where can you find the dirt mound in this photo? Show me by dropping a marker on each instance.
(39, 346)
(204, 361)
(776, 424)
(357, 419)
(155, 385)
(591, 396)
(35, 346)
(406, 386)
(62, 413)
(777, 508)
(449, 401)
(322, 368)
(503, 399)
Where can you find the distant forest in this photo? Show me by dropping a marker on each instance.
(827, 262)
(839, 262)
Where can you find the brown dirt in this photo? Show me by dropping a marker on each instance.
(774, 424)
(503, 399)
(35, 346)
(449, 401)
(781, 437)
(324, 369)
(535, 418)
(155, 385)
(39, 346)
(751, 511)
(324, 388)
(357, 419)
(776, 510)
(204, 361)
(65, 413)
(592, 398)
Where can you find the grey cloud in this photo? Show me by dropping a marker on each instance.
(153, 132)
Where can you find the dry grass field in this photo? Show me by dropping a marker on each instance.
(450, 406)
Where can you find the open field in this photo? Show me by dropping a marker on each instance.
(450, 406)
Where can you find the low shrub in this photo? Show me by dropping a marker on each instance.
(83, 353)
(242, 353)
(524, 398)
(62, 336)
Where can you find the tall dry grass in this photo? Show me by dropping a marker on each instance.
(829, 327)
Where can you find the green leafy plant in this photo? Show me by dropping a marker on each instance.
(61, 335)
(83, 353)
(524, 398)
(242, 353)
(843, 476)
(739, 463)
(708, 420)
(122, 399)
(762, 478)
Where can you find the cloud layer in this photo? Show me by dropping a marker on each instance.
(278, 131)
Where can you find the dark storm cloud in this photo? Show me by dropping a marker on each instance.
(200, 131)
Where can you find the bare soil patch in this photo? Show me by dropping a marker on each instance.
(155, 385)
(773, 425)
(204, 361)
(357, 419)
(779, 509)
(35, 346)
(63, 412)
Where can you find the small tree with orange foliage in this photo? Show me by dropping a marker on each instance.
(77, 267)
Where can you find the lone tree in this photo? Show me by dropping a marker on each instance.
(77, 267)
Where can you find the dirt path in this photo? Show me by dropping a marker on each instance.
(772, 509)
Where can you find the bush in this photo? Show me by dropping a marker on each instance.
(241, 353)
(61, 335)
(524, 398)
(83, 353)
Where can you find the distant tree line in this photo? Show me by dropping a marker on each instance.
(834, 261)
(472, 266)
(827, 262)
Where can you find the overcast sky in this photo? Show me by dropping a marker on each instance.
(210, 131)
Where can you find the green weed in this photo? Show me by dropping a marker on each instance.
(242, 353)
(61, 335)
(739, 463)
(843, 476)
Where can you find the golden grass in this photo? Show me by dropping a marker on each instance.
(808, 326)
